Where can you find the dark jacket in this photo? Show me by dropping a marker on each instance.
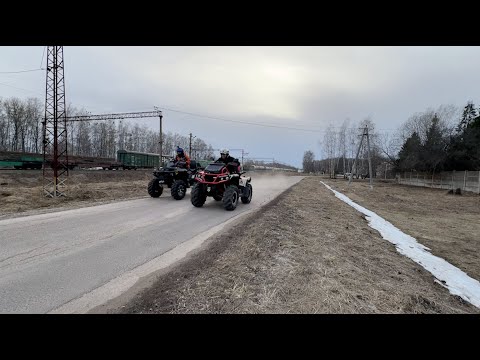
(229, 159)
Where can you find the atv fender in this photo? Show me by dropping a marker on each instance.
(244, 180)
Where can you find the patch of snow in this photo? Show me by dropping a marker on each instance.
(447, 275)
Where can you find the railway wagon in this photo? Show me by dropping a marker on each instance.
(137, 160)
(19, 160)
(125, 160)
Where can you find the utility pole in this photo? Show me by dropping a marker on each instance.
(356, 158)
(160, 142)
(364, 134)
(243, 154)
(190, 144)
(160, 164)
(369, 159)
(121, 146)
(55, 155)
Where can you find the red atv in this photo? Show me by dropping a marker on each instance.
(223, 183)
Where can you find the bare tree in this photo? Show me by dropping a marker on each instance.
(342, 145)
(420, 122)
(3, 128)
(15, 112)
(111, 139)
(389, 146)
(201, 150)
(330, 148)
(168, 144)
(308, 161)
(352, 140)
(34, 116)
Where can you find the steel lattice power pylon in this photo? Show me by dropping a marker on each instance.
(55, 155)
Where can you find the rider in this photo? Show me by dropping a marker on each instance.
(181, 156)
(226, 158)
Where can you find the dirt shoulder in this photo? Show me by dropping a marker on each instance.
(305, 252)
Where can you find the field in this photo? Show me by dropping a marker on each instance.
(21, 191)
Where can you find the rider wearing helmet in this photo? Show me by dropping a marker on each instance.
(181, 156)
(226, 158)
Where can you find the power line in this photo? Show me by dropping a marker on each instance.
(20, 88)
(242, 122)
(32, 91)
(259, 124)
(41, 63)
(21, 71)
(29, 70)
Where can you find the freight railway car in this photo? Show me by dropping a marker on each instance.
(126, 160)
(19, 160)
(137, 160)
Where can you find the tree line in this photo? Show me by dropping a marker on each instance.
(434, 140)
(21, 131)
(432, 144)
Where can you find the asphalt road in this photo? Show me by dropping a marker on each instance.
(74, 260)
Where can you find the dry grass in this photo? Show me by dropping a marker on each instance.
(21, 192)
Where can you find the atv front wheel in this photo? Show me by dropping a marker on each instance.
(199, 195)
(248, 189)
(154, 188)
(230, 198)
(179, 188)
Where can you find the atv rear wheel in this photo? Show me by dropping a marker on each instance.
(199, 195)
(179, 188)
(154, 188)
(230, 198)
(246, 199)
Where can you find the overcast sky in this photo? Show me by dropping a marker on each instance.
(299, 87)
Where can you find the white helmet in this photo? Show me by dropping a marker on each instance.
(224, 151)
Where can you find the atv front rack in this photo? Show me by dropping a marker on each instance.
(214, 178)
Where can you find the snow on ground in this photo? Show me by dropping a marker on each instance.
(447, 275)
